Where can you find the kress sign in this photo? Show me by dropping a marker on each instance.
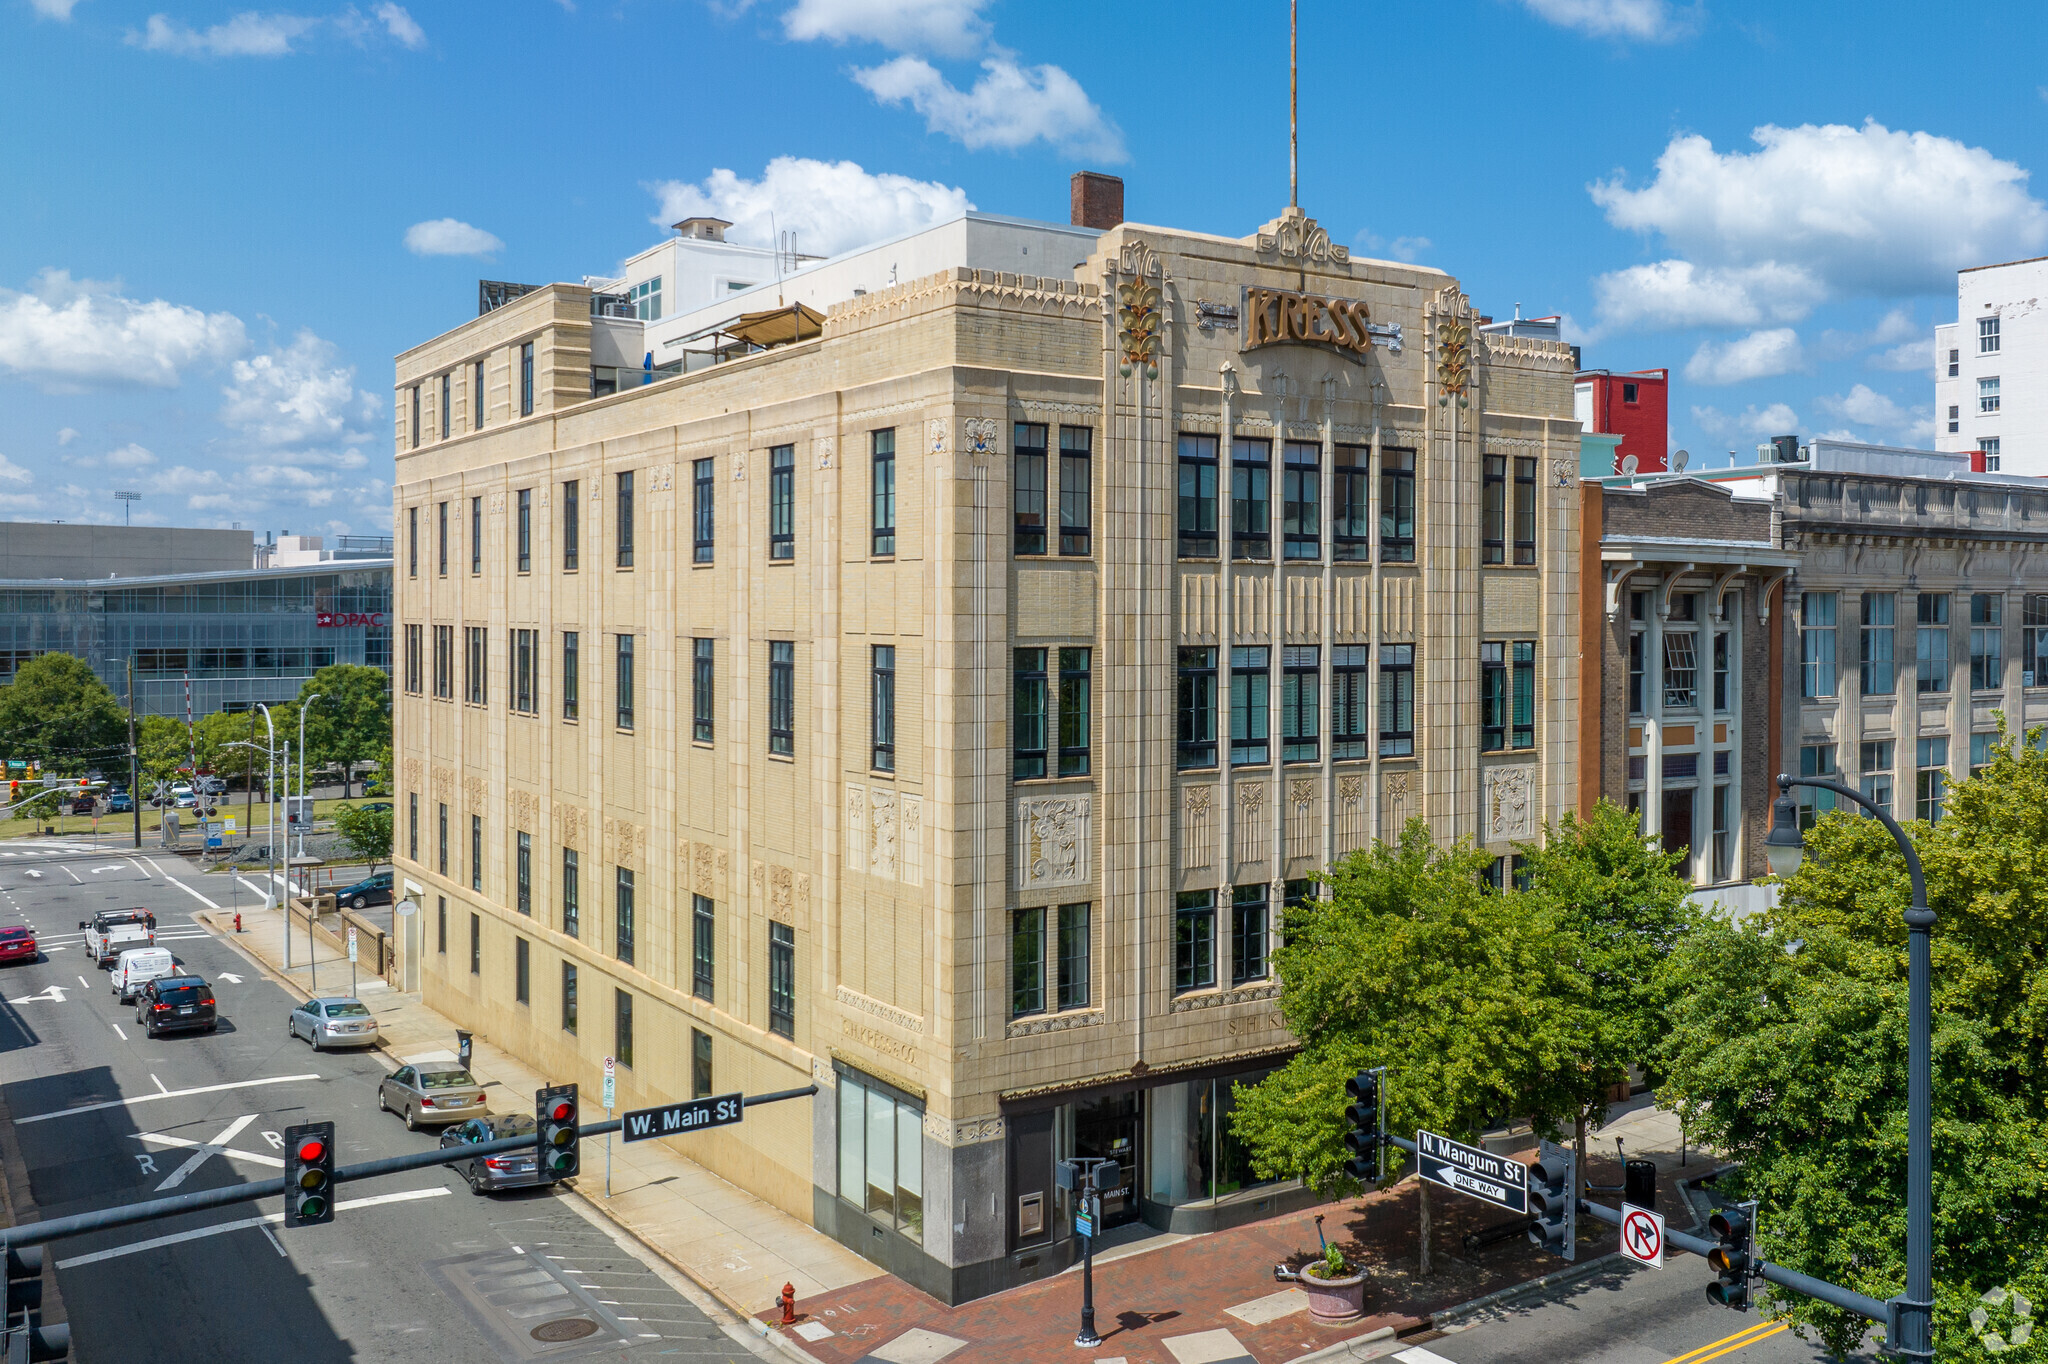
(1273, 316)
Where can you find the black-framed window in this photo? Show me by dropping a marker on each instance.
(1028, 738)
(526, 530)
(622, 679)
(1493, 510)
(1722, 678)
(1351, 503)
(475, 664)
(476, 409)
(1493, 696)
(412, 825)
(1930, 794)
(569, 997)
(441, 924)
(1931, 642)
(1249, 917)
(444, 662)
(782, 502)
(1522, 694)
(1298, 894)
(476, 945)
(1197, 747)
(1880, 642)
(622, 1027)
(622, 915)
(1075, 703)
(1397, 506)
(1250, 721)
(441, 511)
(781, 979)
(703, 688)
(1027, 460)
(1074, 956)
(1638, 647)
(782, 697)
(1301, 686)
(1525, 509)
(2034, 618)
(526, 379)
(1027, 962)
(881, 1152)
(525, 672)
(572, 525)
(882, 708)
(1194, 940)
(415, 416)
(622, 514)
(522, 971)
(700, 1064)
(572, 682)
(1350, 704)
(415, 662)
(704, 948)
(447, 401)
(882, 491)
(522, 874)
(1397, 700)
(1198, 468)
(412, 542)
(572, 893)
(1251, 499)
(476, 852)
(1987, 641)
(703, 502)
(476, 536)
(1301, 495)
(1077, 444)
(444, 838)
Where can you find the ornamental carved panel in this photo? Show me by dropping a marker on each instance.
(910, 840)
(1197, 827)
(935, 435)
(1394, 809)
(1053, 838)
(474, 793)
(700, 869)
(980, 433)
(1352, 833)
(856, 817)
(1303, 825)
(782, 893)
(882, 833)
(1509, 804)
(1251, 821)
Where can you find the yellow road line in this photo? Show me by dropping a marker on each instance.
(1729, 1344)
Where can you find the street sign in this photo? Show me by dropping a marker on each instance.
(351, 942)
(1493, 1179)
(645, 1124)
(611, 1082)
(1084, 1225)
(1642, 1236)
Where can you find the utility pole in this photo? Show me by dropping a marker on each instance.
(134, 758)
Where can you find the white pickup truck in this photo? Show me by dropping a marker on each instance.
(112, 932)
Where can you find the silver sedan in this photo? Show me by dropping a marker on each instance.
(432, 1093)
(333, 1023)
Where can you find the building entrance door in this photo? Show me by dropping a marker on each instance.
(1107, 1129)
(1678, 825)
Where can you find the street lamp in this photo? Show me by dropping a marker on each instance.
(303, 810)
(1912, 1333)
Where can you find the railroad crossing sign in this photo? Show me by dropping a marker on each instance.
(1499, 1180)
(1642, 1236)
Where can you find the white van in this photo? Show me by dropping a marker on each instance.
(137, 967)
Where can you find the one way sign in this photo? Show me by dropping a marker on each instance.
(645, 1124)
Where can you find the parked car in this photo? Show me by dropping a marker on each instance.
(375, 890)
(174, 1004)
(184, 797)
(507, 1169)
(431, 1092)
(375, 806)
(18, 943)
(339, 1022)
(120, 803)
(138, 966)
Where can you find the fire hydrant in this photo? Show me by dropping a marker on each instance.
(787, 1302)
(238, 921)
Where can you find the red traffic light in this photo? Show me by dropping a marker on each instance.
(562, 1110)
(312, 1150)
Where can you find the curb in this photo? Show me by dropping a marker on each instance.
(1345, 1349)
(1504, 1295)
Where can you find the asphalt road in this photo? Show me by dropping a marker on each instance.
(414, 1266)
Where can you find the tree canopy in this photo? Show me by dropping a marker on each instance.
(351, 722)
(367, 832)
(59, 713)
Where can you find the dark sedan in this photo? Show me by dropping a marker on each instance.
(507, 1169)
(374, 890)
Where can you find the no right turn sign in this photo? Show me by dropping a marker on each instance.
(1642, 1236)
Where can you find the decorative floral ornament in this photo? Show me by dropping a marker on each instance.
(1453, 349)
(1137, 327)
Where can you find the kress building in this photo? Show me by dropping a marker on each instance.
(942, 705)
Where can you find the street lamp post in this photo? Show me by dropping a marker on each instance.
(270, 799)
(303, 810)
(1912, 1335)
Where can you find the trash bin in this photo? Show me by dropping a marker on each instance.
(1639, 1183)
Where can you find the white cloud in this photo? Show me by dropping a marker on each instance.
(1776, 420)
(1400, 248)
(401, 25)
(14, 473)
(1651, 20)
(1011, 106)
(1865, 210)
(952, 28)
(129, 456)
(1868, 408)
(1911, 357)
(248, 34)
(1759, 355)
(66, 436)
(67, 334)
(54, 9)
(832, 206)
(298, 396)
(450, 237)
(1678, 293)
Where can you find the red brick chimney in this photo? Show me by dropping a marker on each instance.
(1098, 200)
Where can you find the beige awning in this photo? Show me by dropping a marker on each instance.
(777, 326)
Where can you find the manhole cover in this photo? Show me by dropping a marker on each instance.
(568, 1328)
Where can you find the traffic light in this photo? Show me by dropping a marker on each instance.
(556, 1118)
(1554, 1200)
(1735, 1258)
(28, 1342)
(1367, 1115)
(309, 1174)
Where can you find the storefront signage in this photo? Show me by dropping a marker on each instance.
(1274, 316)
(336, 620)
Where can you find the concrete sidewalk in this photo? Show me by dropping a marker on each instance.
(739, 1248)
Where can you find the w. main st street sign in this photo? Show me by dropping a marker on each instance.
(1499, 1180)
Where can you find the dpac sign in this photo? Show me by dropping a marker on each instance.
(645, 1124)
(336, 620)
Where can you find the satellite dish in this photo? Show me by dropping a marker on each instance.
(1679, 460)
(1628, 464)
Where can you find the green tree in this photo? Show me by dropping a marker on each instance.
(367, 832)
(1788, 1044)
(160, 750)
(351, 722)
(1471, 999)
(58, 712)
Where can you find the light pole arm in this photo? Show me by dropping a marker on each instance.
(1873, 808)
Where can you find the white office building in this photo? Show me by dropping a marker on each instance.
(1991, 368)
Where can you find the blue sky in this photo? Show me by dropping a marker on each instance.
(221, 223)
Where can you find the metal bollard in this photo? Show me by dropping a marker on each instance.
(788, 1302)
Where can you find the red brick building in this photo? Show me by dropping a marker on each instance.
(1635, 406)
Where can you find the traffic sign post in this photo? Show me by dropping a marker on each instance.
(1086, 1177)
(1642, 1236)
(351, 959)
(1499, 1180)
(611, 1091)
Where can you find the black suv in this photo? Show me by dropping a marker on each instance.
(174, 1004)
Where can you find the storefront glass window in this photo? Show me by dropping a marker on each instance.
(1193, 1153)
(881, 1155)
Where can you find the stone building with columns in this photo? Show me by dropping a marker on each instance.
(943, 705)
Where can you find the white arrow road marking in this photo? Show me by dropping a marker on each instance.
(111, 866)
(167, 1094)
(267, 1219)
(33, 872)
(231, 978)
(53, 995)
(210, 1148)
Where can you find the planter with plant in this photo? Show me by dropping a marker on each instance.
(1336, 1291)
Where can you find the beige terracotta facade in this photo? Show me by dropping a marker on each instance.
(902, 890)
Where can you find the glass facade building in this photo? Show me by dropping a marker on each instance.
(241, 636)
